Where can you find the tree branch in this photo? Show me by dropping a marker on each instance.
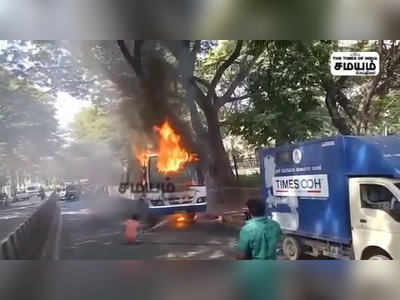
(199, 129)
(201, 99)
(338, 121)
(337, 96)
(186, 60)
(226, 64)
(202, 81)
(196, 47)
(244, 70)
(222, 101)
(136, 60)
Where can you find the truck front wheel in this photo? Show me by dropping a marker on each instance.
(379, 257)
(291, 248)
(375, 253)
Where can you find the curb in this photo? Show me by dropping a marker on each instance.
(27, 241)
(51, 246)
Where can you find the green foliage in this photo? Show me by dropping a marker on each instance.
(253, 180)
(390, 108)
(28, 128)
(92, 125)
(284, 98)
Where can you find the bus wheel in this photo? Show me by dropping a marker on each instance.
(291, 248)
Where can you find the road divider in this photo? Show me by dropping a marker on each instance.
(30, 238)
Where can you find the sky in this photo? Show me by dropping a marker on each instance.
(67, 107)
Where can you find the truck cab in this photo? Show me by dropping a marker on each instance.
(337, 197)
(375, 217)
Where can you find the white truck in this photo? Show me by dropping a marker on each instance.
(337, 197)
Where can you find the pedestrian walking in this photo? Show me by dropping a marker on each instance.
(260, 236)
(42, 194)
(132, 228)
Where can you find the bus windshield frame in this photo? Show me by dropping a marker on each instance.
(187, 176)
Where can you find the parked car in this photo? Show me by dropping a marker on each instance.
(33, 190)
(72, 192)
(21, 195)
(3, 199)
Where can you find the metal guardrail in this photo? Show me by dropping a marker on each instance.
(27, 241)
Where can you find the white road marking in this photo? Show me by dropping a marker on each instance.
(217, 254)
(84, 211)
(85, 242)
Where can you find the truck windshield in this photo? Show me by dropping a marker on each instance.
(379, 197)
(185, 176)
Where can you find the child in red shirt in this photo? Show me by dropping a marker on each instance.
(132, 227)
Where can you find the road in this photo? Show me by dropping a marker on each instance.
(88, 233)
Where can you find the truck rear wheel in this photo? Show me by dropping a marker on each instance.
(291, 248)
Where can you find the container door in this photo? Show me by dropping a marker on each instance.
(373, 218)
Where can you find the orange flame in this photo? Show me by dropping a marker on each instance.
(172, 156)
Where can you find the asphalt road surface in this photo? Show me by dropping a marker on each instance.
(91, 233)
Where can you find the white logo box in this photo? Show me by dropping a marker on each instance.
(315, 186)
(354, 63)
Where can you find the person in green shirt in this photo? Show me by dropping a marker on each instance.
(259, 237)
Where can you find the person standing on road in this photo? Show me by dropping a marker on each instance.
(132, 227)
(259, 237)
(42, 194)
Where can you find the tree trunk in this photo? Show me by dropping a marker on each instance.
(337, 120)
(219, 167)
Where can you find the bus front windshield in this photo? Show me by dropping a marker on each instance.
(188, 175)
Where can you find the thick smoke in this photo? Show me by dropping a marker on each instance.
(151, 105)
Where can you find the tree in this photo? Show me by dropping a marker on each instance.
(28, 128)
(292, 80)
(390, 121)
(92, 125)
(87, 160)
(284, 100)
(95, 128)
(354, 102)
(205, 90)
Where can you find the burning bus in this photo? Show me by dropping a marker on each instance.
(170, 180)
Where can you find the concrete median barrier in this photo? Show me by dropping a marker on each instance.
(30, 238)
